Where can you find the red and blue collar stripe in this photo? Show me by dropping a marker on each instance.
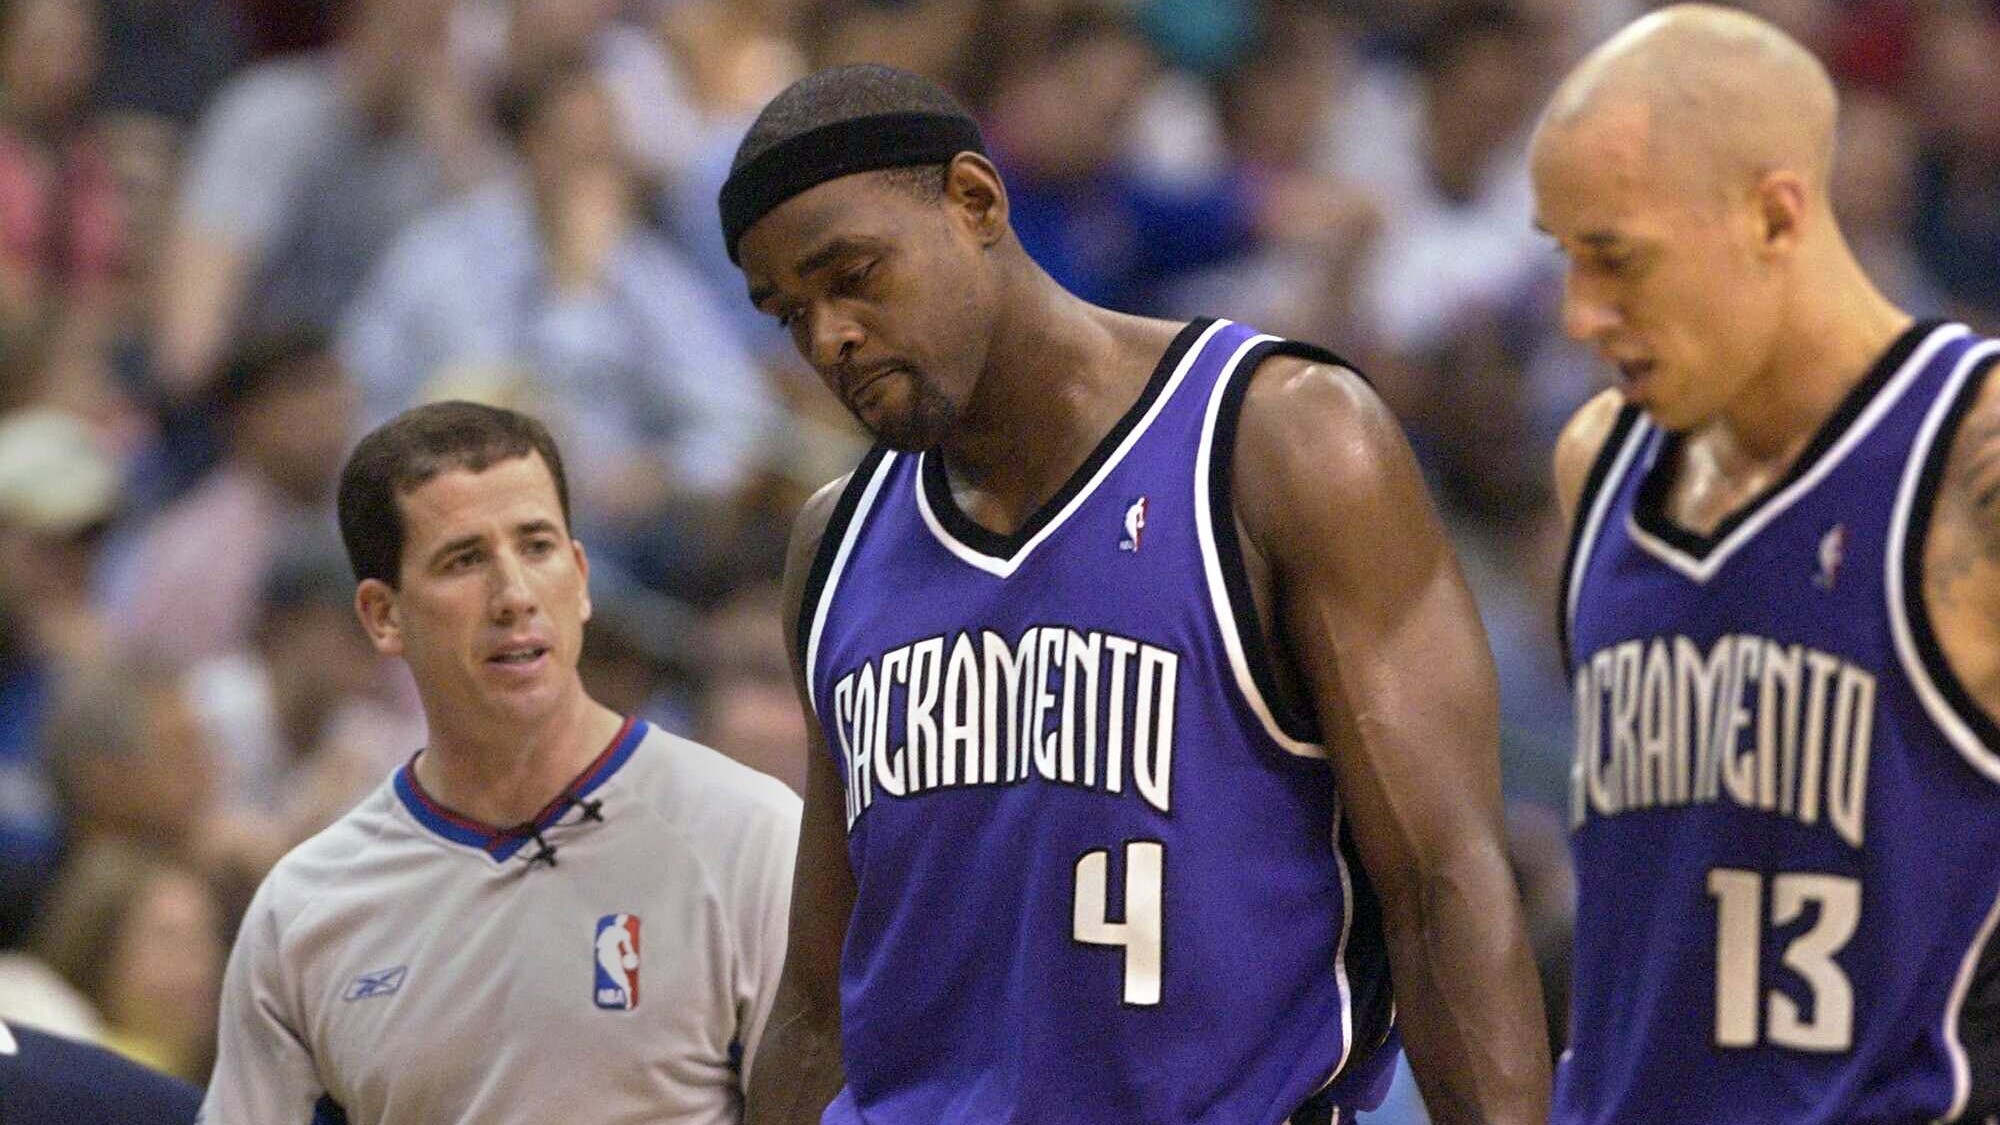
(502, 843)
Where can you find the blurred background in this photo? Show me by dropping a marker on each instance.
(235, 234)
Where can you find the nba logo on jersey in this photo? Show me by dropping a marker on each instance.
(617, 962)
(1135, 525)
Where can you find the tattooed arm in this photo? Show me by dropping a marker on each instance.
(1962, 552)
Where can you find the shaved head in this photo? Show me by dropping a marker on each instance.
(1715, 92)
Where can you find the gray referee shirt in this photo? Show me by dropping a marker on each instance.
(407, 965)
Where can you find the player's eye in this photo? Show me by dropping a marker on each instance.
(851, 279)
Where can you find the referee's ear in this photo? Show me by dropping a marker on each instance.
(375, 604)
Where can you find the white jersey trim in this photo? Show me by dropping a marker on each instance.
(1005, 568)
(1985, 759)
(1961, 1067)
(1702, 569)
(1218, 587)
(848, 535)
(1600, 504)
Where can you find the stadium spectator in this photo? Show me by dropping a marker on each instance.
(164, 59)
(300, 172)
(547, 289)
(140, 937)
(285, 409)
(61, 236)
(305, 718)
(57, 491)
(748, 709)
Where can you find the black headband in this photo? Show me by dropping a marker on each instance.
(859, 144)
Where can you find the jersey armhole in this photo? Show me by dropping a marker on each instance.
(836, 543)
(1598, 487)
(1234, 604)
(1957, 714)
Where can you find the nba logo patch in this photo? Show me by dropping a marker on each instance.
(1135, 525)
(617, 962)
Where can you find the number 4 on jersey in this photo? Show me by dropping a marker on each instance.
(1139, 933)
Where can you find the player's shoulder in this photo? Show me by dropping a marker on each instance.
(1582, 439)
(1294, 396)
(1312, 437)
(809, 529)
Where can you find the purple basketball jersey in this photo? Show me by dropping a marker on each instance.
(1784, 806)
(1101, 874)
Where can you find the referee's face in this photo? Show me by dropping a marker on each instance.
(493, 598)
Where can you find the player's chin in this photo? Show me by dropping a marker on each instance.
(919, 426)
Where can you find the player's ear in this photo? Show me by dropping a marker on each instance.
(1781, 211)
(973, 187)
(583, 569)
(375, 604)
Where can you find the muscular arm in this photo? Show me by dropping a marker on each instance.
(1962, 552)
(800, 1068)
(1372, 609)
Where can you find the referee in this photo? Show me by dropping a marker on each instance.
(552, 912)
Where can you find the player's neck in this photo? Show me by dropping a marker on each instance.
(503, 775)
(1061, 373)
(1825, 350)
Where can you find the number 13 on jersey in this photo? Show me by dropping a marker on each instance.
(1739, 943)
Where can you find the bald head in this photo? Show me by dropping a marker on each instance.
(1714, 91)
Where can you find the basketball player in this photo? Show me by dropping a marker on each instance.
(1783, 615)
(1154, 726)
(48, 1080)
(552, 913)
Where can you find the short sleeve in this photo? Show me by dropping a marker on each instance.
(764, 906)
(264, 1073)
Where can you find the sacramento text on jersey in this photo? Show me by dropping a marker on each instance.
(1767, 726)
(979, 715)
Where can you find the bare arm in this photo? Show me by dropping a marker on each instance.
(200, 290)
(1962, 552)
(1373, 610)
(1576, 450)
(800, 1068)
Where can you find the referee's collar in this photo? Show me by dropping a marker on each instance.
(502, 843)
(7, 1044)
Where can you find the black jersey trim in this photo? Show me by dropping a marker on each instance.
(1291, 719)
(1930, 653)
(1364, 963)
(1649, 510)
(1979, 1033)
(936, 483)
(1977, 1025)
(829, 550)
(1370, 995)
(1581, 526)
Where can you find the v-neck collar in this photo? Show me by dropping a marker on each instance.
(996, 552)
(1699, 554)
(501, 843)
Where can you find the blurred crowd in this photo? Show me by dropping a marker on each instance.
(234, 234)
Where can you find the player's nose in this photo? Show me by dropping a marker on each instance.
(1586, 315)
(836, 339)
